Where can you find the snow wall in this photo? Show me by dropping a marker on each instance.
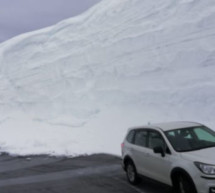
(76, 87)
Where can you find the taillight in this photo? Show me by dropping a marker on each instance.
(122, 145)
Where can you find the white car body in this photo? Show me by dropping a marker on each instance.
(160, 168)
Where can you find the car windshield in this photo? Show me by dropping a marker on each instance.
(191, 139)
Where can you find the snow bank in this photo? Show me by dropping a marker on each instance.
(75, 88)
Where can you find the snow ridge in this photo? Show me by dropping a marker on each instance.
(69, 88)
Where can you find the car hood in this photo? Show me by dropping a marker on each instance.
(204, 155)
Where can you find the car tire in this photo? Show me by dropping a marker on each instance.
(131, 173)
(183, 184)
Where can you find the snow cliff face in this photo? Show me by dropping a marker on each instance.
(67, 88)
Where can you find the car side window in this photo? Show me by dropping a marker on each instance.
(130, 136)
(141, 138)
(155, 140)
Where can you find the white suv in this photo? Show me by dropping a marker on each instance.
(179, 154)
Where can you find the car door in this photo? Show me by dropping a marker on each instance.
(158, 167)
(139, 150)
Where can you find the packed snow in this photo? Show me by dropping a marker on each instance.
(76, 87)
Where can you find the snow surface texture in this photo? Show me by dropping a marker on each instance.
(75, 88)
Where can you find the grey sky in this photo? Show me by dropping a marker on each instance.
(20, 16)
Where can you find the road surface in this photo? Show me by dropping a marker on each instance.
(87, 174)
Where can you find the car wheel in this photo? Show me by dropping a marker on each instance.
(131, 173)
(184, 185)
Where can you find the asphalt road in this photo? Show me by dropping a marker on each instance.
(87, 174)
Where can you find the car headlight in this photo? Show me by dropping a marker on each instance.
(206, 168)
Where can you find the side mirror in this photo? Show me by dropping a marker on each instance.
(160, 150)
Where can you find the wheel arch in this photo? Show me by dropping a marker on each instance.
(126, 160)
(180, 171)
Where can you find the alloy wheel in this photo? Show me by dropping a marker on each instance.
(131, 173)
